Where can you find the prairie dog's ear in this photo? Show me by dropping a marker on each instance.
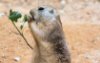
(58, 18)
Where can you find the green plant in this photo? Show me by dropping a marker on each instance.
(14, 16)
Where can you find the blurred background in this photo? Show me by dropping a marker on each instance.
(81, 25)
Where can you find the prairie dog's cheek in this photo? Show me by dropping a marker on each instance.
(48, 16)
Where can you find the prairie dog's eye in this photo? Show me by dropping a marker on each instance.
(40, 8)
(51, 11)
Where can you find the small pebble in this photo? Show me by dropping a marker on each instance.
(17, 59)
(2, 14)
(63, 2)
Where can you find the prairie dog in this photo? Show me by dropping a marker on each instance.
(47, 30)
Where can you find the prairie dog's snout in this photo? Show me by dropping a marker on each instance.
(43, 13)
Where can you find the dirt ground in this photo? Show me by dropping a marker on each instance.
(81, 24)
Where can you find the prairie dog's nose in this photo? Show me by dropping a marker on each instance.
(40, 8)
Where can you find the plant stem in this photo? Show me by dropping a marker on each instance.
(22, 35)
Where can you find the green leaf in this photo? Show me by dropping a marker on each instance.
(25, 18)
(21, 27)
(14, 16)
(10, 11)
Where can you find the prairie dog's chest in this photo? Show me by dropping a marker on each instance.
(47, 53)
(46, 48)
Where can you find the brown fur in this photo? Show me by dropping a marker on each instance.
(51, 45)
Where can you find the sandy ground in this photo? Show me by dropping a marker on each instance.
(81, 24)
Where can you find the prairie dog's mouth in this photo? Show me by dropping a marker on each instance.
(32, 15)
(35, 16)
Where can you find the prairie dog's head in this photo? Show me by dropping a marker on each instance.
(43, 20)
(44, 13)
